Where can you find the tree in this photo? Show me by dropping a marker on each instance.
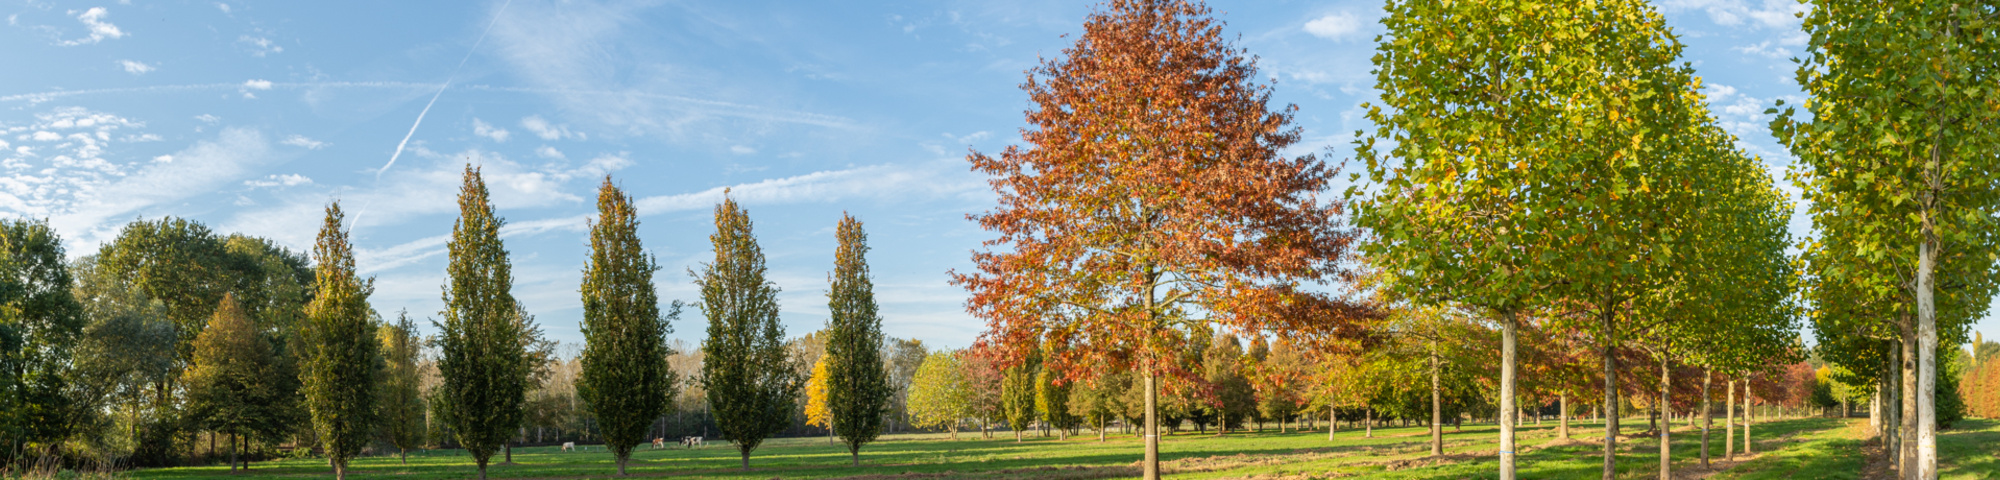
(750, 394)
(817, 412)
(1152, 201)
(125, 349)
(342, 357)
(40, 325)
(625, 380)
(1017, 395)
(1899, 150)
(940, 396)
(401, 395)
(1052, 400)
(983, 378)
(902, 358)
(857, 385)
(482, 343)
(229, 387)
(1235, 399)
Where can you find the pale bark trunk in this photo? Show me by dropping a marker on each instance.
(1746, 417)
(1907, 465)
(1152, 466)
(1610, 397)
(1562, 427)
(1666, 422)
(1370, 423)
(1927, 342)
(1707, 414)
(1332, 421)
(1507, 405)
(1437, 406)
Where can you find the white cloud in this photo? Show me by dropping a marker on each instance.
(542, 128)
(1334, 26)
(134, 67)
(222, 6)
(89, 210)
(260, 46)
(481, 128)
(100, 30)
(550, 152)
(742, 150)
(258, 84)
(206, 118)
(303, 142)
(286, 180)
(1771, 14)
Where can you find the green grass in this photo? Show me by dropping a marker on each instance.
(1790, 449)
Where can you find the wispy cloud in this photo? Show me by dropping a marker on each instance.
(198, 169)
(135, 67)
(100, 30)
(260, 46)
(1336, 26)
(542, 128)
(302, 142)
(285, 180)
(481, 128)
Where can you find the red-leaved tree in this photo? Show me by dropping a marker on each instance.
(1150, 202)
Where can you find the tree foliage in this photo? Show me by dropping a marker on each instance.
(857, 384)
(625, 380)
(400, 395)
(342, 356)
(750, 389)
(41, 323)
(229, 386)
(482, 342)
(940, 394)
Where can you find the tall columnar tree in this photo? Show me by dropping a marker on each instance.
(625, 381)
(229, 385)
(1900, 146)
(482, 346)
(1052, 400)
(940, 395)
(401, 396)
(857, 384)
(341, 353)
(750, 390)
(1541, 153)
(1152, 186)
(41, 321)
(1017, 395)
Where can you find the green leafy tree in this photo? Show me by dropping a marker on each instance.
(401, 395)
(750, 384)
(229, 387)
(625, 382)
(1052, 400)
(1017, 395)
(857, 384)
(483, 340)
(1899, 147)
(125, 349)
(940, 395)
(40, 325)
(341, 353)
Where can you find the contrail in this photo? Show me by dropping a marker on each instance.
(441, 89)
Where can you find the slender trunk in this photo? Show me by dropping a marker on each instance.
(1437, 406)
(232, 452)
(1152, 466)
(854, 457)
(1371, 422)
(1907, 466)
(1562, 425)
(404, 454)
(1707, 414)
(1610, 396)
(482, 467)
(1508, 333)
(1729, 421)
(1746, 418)
(1332, 422)
(621, 465)
(1927, 343)
(1666, 423)
(1875, 412)
(746, 458)
(509, 447)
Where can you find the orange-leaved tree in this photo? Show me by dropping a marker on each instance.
(1152, 201)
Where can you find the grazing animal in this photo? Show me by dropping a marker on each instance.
(691, 442)
(659, 443)
(569, 446)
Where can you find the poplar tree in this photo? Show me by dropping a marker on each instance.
(857, 385)
(1052, 400)
(483, 355)
(751, 389)
(1017, 395)
(340, 368)
(229, 387)
(625, 381)
(401, 395)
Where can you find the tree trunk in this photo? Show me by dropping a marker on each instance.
(1371, 422)
(232, 451)
(1927, 343)
(482, 467)
(1437, 406)
(1508, 333)
(1907, 465)
(1610, 396)
(1729, 421)
(854, 457)
(1152, 466)
(1707, 414)
(621, 465)
(1332, 421)
(1746, 418)
(509, 447)
(746, 458)
(1562, 407)
(1666, 423)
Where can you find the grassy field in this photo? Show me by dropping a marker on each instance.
(1790, 449)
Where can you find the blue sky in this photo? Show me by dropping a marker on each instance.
(251, 116)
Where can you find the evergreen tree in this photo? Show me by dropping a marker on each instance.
(229, 387)
(750, 390)
(341, 353)
(484, 360)
(625, 380)
(401, 396)
(857, 384)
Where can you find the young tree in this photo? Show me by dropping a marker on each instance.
(983, 378)
(625, 381)
(401, 396)
(229, 387)
(1153, 187)
(1052, 400)
(817, 413)
(341, 354)
(749, 390)
(483, 340)
(857, 384)
(1017, 395)
(1899, 145)
(940, 396)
